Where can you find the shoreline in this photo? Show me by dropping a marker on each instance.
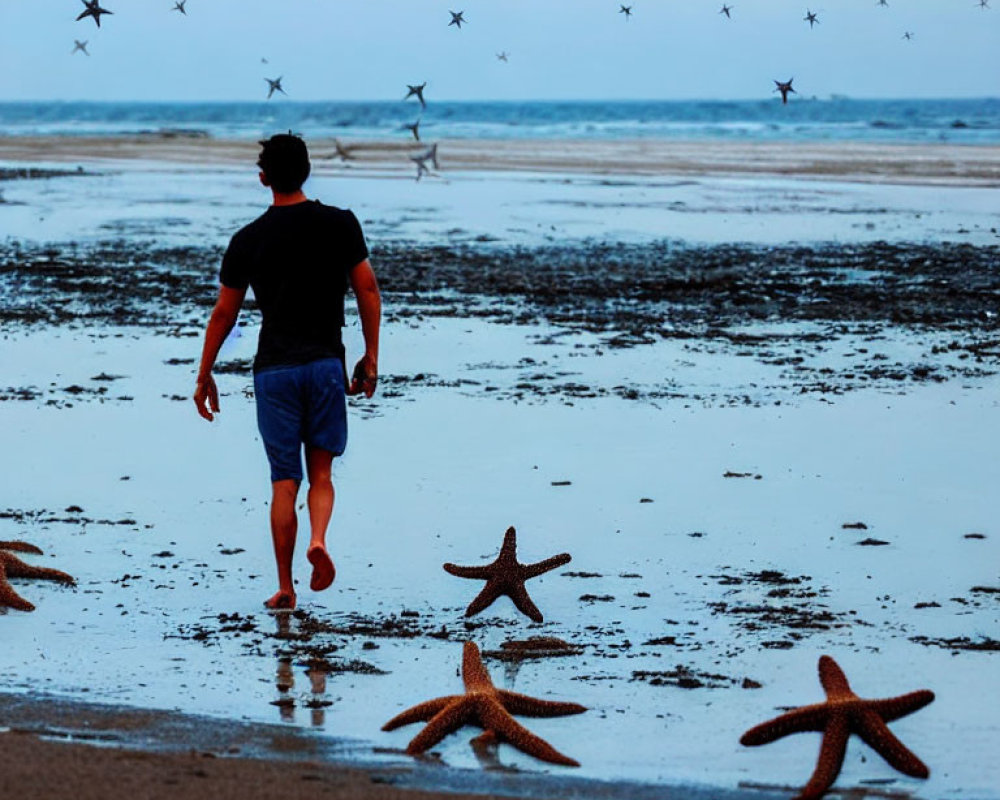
(942, 164)
(164, 754)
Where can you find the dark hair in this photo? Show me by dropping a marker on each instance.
(284, 159)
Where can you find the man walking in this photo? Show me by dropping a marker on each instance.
(299, 257)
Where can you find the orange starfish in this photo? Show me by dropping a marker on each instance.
(13, 567)
(507, 576)
(844, 713)
(490, 707)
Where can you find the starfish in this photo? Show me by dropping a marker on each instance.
(456, 19)
(414, 128)
(884, 3)
(844, 713)
(784, 88)
(725, 10)
(421, 159)
(502, 56)
(13, 567)
(908, 35)
(179, 6)
(417, 91)
(490, 707)
(79, 46)
(626, 10)
(341, 151)
(984, 4)
(93, 9)
(507, 576)
(274, 86)
(811, 18)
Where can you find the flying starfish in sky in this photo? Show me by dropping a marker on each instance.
(502, 56)
(79, 46)
(418, 92)
(414, 128)
(274, 86)
(884, 3)
(421, 159)
(179, 6)
(93, 9)
(811, 18)
(842, 714)
(784, 88)
(725, 10)
(626, 10)
(456, 19)
(984, 4)
(908, 35)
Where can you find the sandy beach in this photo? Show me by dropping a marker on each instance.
(750, 388)
(865, 162)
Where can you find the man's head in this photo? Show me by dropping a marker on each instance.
(284, 162)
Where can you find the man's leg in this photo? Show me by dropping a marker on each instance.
(320, 498)
(284, 526)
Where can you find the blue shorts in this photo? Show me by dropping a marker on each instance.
(300, 404)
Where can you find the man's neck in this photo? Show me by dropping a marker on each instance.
(290, 199)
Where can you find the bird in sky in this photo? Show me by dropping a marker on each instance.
(179, 6)
(502, 56)
(725, 10)
(784, 88)
(414, 128)
(79, 46)
(417, 91)
(421, 160)
(274, 86)
(811, 18)
(93, 9)
(626, 10)
(456, 19)
(908, 35)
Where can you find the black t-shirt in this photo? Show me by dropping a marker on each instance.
(297, 258)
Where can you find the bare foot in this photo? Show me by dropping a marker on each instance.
(323, 569)
(281, 601)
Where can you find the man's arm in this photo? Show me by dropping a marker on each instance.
(365, 287)
(227, 308)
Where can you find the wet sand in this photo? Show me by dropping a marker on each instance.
(934, 164)
(756, 451)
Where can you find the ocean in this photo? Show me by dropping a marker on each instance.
(966, 121)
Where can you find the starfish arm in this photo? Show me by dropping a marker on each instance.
(540, 567)
(878, 737)
(525, 706)
(509, 547)
(419, 713)
(21, 547)
(467, 572)
(831, 758)
(484, 599)
(895, 707)
(474, 674)
(448, 719)
(524, 603)
(10, 598)
(494, 718)
(832, 677)
(16, 568)
(807, 718)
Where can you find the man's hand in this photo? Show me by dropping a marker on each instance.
(206, 396)
(365, 377)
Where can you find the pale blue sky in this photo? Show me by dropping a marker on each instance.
(559, 49)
